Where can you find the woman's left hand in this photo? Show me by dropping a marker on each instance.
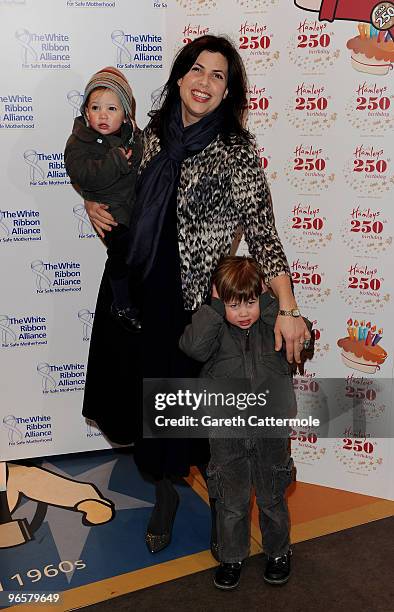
(293, 331)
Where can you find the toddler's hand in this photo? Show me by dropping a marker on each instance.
(214, 292)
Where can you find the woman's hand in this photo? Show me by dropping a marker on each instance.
(294, 332)
(128, 154)
(99, 217)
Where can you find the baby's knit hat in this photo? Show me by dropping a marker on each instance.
(113, 79)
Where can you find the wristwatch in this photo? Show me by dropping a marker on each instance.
(290, 313)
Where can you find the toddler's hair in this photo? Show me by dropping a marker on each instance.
(238, 279)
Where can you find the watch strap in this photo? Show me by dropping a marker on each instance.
(290, 313)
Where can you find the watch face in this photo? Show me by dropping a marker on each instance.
(295, 312)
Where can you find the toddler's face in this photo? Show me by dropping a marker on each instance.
(104, 111)
(243, 314)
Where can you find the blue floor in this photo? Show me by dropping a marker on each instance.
(65, 554)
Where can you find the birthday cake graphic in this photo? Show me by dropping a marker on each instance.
(360, 349)
(372, 51)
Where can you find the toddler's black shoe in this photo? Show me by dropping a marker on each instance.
(227, 576)
(128, 318)
(277, 570)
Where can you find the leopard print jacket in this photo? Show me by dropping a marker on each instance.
(221, 189)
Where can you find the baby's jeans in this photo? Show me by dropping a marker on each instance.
(236, 466)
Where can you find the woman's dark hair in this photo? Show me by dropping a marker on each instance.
(234, 105)
(238, 279)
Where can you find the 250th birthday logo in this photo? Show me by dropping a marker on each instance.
(371, 109)
(257, 45)
(310, 109)
(358, 454)
(369, 171)
(307, 228)
(309, 282)
(261, 112)
(309, 170)
(366, 398)
(365, 231)
(312, 48)
(364, 287)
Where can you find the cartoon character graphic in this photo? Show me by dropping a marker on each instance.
(46, 488)
(380, 13)
(360, 349)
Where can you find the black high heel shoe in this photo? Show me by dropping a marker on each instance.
(159, 531)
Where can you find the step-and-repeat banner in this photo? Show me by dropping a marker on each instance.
(322, 107)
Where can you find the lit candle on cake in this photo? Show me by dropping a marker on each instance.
(362, 30)
(381, 36)
(371, 331)
(361, 330)
(350, 328)
(377, 337)
(355, 329)
(374, 33)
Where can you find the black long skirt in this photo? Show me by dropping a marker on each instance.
(118, 361)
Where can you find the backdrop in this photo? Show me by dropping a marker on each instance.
(322, 108)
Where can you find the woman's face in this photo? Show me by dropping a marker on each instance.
(204, 87)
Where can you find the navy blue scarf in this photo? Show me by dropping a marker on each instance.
(158, 183)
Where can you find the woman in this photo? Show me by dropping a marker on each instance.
(200, 179)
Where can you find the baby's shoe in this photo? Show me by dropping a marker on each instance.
(128, 318)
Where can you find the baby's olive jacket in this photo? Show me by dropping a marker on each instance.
(96, 165)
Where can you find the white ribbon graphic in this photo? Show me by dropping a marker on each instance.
(14, 433)
(7, 334)
(74, 98)
(48, 382)
(41, 279)
(24, 38)
(118, 39)
(86, 318)
(83, 219)
(31, 158)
